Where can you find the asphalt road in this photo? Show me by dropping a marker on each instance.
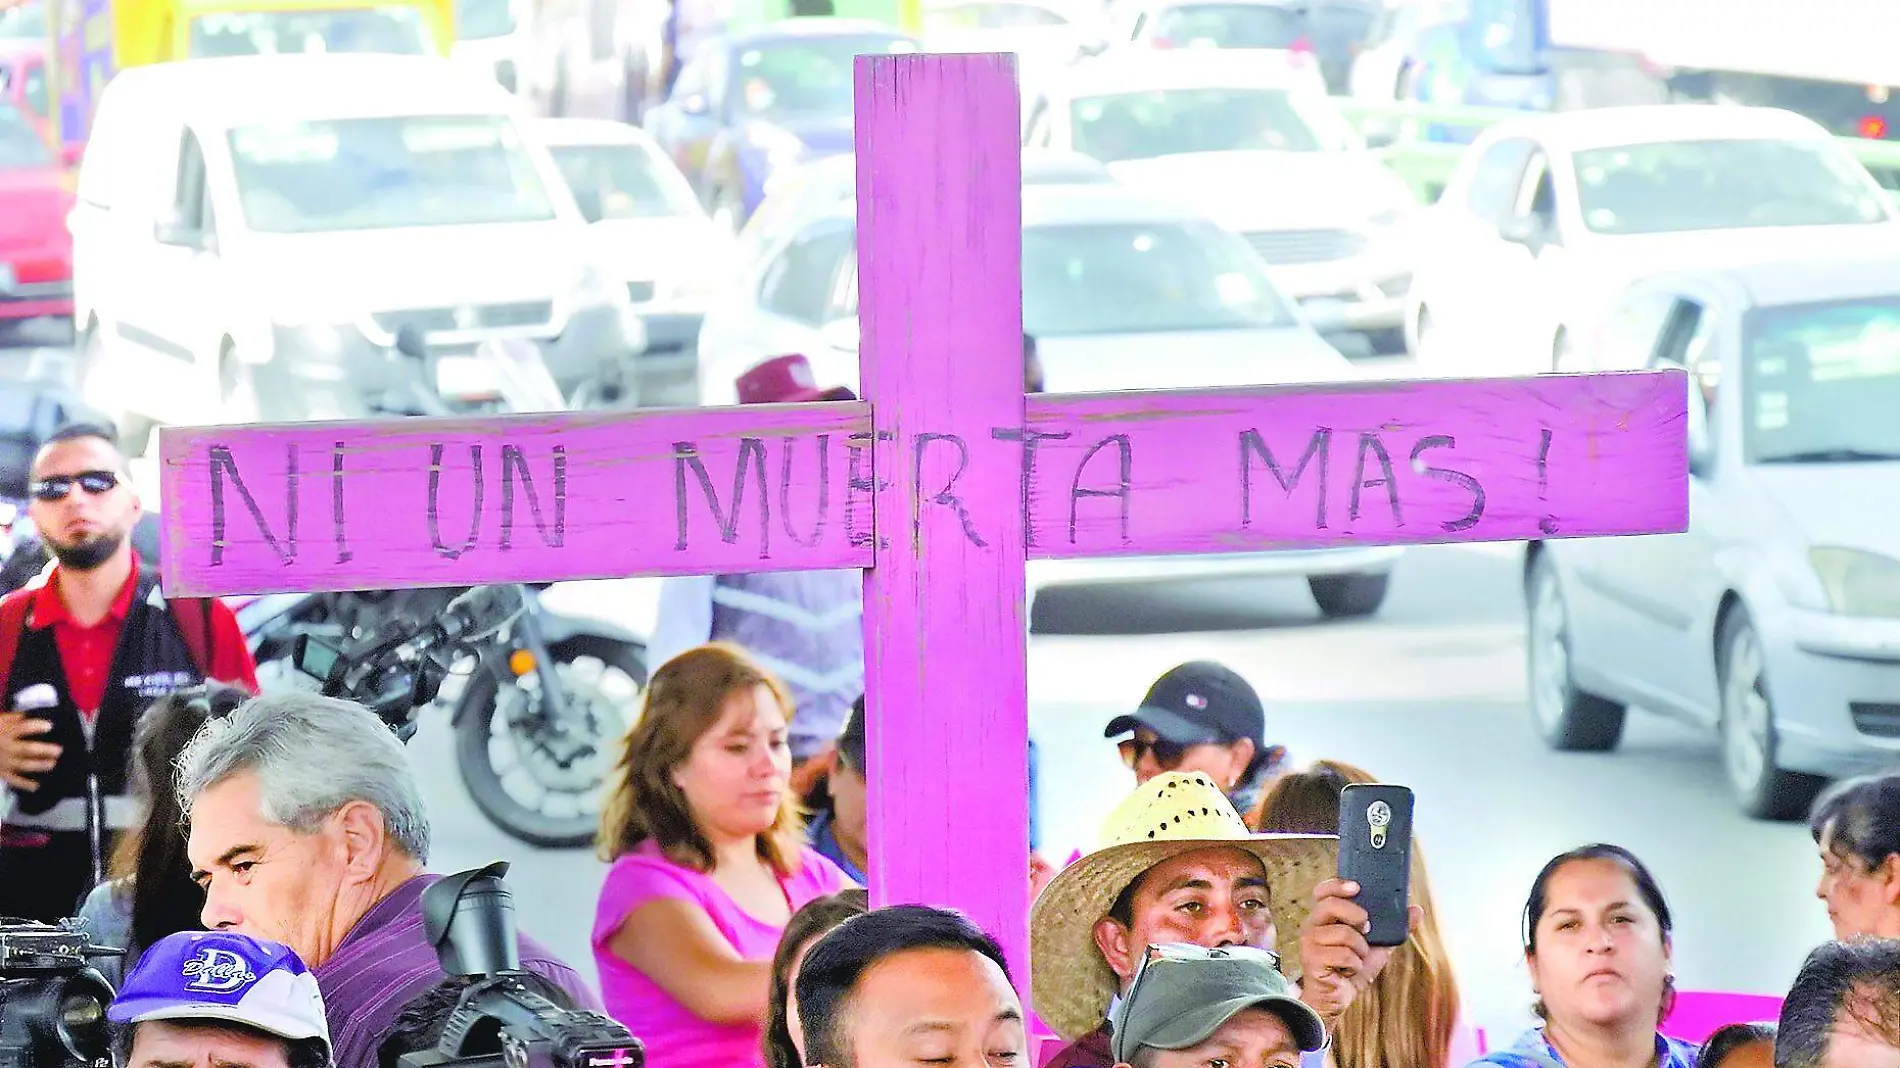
(1429, 693)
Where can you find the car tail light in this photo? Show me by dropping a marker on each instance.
(1163, 42)
(1872, 127)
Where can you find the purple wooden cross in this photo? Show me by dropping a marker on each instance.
(940, 484)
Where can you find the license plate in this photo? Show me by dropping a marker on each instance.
(466, 378)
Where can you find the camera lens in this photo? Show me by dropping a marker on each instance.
(82, 1022)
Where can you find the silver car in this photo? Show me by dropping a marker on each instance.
(1775, 620)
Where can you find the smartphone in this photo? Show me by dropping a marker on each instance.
(1375, 851)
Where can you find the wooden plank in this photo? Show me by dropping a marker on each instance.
(940, 293)
(1364, 463)
(453, 502)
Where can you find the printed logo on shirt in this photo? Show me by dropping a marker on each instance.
(219, 971)
(159, 683)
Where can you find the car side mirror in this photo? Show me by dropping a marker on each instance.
(589, 201)
(1526, 230)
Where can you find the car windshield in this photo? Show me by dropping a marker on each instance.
(1722, 185)
(23, 22)
(1121, 278)
(1822, 382)
(20, 144)
(1231, 26)
(477, 20)
(623, 182)
(798, 78)
(990, 16)
(384, 173)
(1166, 122)
(396, 29)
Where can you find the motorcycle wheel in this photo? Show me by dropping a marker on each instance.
(576, 786)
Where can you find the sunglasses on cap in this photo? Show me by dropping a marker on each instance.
(58, 487)
(1168, 755)
(1178, 951)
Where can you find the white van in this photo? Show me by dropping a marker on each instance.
(251, 233)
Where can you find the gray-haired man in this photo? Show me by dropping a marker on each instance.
(307, 828)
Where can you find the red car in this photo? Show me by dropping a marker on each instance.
(36, 250)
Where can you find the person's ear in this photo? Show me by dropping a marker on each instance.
(1117, 947)
(1888, 876)
(1242, 752)
(364, 837)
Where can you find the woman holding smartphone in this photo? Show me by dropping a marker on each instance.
(1597, 944)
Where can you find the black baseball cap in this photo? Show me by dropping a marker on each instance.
(1196, 703)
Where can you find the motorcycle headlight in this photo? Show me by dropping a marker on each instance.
(1858, 583)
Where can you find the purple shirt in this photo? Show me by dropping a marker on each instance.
(386, 961)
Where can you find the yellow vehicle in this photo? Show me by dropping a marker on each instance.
(90, 39)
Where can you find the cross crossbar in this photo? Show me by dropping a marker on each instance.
(941, 484)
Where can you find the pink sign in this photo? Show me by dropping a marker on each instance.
(574, 496)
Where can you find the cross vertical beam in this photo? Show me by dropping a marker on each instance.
(939, 161)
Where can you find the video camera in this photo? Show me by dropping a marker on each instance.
(52, 1000)
(500, 1022)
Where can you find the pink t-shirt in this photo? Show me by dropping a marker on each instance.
(674, 1037)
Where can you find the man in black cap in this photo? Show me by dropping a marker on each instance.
(1201, 717)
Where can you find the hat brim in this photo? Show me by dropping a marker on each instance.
(1197, 1025)
(1169, 726)
(1071, 983)
(283, 1025)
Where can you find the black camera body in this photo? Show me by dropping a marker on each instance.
(500, 1021)
(52, 1000)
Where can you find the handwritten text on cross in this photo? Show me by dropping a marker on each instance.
(592, 495)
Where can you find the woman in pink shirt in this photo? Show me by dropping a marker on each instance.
(709, 861)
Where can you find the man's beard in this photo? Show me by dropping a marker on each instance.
(87, 555)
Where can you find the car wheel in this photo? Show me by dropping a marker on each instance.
(1568, 718)
(1348, 596)
(1747, 726)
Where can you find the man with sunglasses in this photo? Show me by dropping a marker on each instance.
(92, 646)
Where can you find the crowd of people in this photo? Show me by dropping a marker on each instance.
(263, 860)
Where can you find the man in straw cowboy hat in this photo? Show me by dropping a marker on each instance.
(1178, 865)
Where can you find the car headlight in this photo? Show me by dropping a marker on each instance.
(1858, 583)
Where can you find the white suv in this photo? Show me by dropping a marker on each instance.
(251, 233)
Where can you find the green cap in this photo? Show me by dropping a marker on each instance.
(1182, 994)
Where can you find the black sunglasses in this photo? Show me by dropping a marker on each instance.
(58, 487)
(1167, 754)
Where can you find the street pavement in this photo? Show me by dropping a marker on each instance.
(1430, 693)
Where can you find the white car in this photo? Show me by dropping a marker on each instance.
(1121, 291)
(1546, 219)
(1045, 35)
(252, 233)
(1260, 147)
(650, 230)
(495, 37)
(1251, 25)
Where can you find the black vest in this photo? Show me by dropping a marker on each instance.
(151, 660)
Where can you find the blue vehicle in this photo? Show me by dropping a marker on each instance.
(1499, 54)
(750, 105)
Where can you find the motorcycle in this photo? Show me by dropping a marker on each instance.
(539, 682)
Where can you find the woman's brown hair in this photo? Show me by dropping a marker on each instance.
(149, 860)
(1405, 1019)
(818, 916)
(684, 700)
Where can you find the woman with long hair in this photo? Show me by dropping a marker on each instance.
(709, 861)
(1599, 945)
(149, 893)
(784, 1038)
(1406, 1018)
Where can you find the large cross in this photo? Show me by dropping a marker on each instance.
(940, 483)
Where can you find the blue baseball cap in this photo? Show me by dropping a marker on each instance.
(221, 975)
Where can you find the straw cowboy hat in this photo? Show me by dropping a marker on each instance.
(1167, 816)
